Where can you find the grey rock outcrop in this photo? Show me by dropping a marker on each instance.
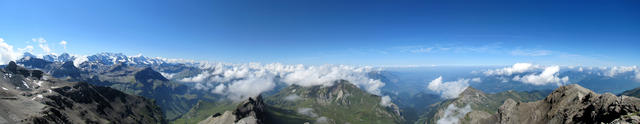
(571, 104)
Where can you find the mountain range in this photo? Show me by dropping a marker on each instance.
(30, 96)
(64, 88)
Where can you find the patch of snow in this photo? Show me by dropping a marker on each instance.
(39, 83)
(25, 84)
(4, 88)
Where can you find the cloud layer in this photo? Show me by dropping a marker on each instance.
(6, 52)
(453, 114)
(450, 89)
(515, 69)
(385, 101)
(548, 76)
(239, 81)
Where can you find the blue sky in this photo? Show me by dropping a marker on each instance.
(389, 33)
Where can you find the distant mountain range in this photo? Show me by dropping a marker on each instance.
(133, 75)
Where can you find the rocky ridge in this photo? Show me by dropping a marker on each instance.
(30, 96)
(571, 104)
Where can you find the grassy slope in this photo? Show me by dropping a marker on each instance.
(358, 108)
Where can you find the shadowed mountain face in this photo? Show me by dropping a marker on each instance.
(28, 96)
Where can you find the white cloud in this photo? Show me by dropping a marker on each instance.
(520, 52)
(449, 89)
(243, 89)
(638, 76)
(292, 97)
(168, 75)
(453, 114)
(79, 59)
(453, 48)
(421, 50)
(64, 44)
(198, 78)
(476, 80)
(28, 48)
(219, 89)
(322, 120)
(385, 101)
(307, 112)
(7, 53)
(620, 69)
(516, 68)
(42, 43)
(262, 77)
(617, 70)
(548, 76)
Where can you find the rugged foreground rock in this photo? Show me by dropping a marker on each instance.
(29, 96)
(250, 111)
(571, 104)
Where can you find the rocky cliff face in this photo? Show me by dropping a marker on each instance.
(571, 104)
(29, 96)
(250, 111)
